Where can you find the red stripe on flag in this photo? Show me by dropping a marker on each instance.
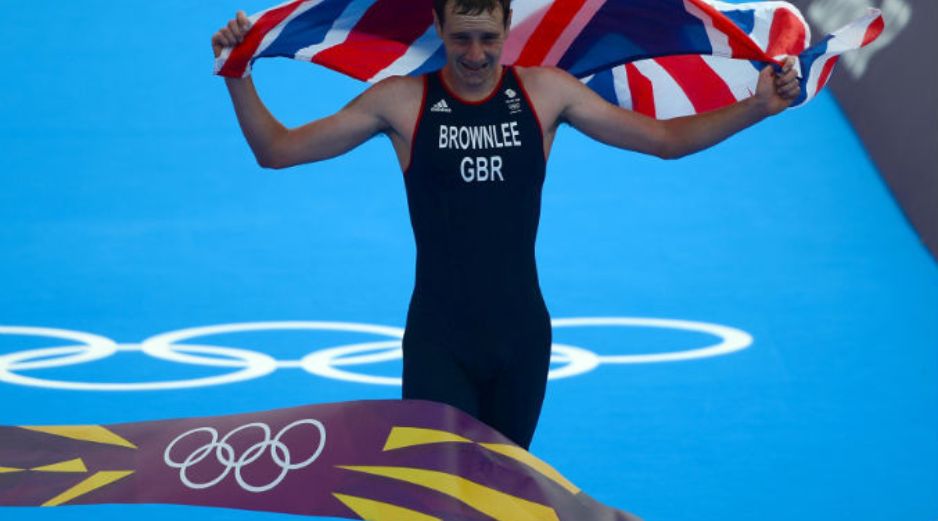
(643, 95)
(701, 84)
(241, 55)
(826, 72)
(381, 36)
(786, 36)
(548, 31)
(873, 31)
(740, 43)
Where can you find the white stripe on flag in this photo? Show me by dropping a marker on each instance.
(739, 75)
(814, 76)
(849, 37)
(762, 27)
(339, 31)
(521, 9)
(670, 100)
(620, 82)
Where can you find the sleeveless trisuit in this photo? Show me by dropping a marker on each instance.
(478, 334)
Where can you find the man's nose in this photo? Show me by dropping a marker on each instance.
(476, 51)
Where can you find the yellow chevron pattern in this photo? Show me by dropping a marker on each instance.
(371, 510)
(72, 465)
(96, 481)
(86, 433)
(92, 433)
(491, 502)
(401, 437)
(518, 454)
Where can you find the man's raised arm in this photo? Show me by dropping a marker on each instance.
(276, 146)
(673, 138)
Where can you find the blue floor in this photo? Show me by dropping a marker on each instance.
(132, 207)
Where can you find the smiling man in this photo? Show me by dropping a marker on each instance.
(473, 140)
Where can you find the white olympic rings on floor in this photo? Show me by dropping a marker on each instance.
(225, 454)
(331, 362)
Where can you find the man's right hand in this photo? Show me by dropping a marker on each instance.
(232, 34)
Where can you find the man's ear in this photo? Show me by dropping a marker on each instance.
(508, 21)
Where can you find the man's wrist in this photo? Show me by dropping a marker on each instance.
(757, 108)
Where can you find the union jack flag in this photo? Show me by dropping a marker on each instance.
(663, 58)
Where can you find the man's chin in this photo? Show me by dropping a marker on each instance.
(476, 77)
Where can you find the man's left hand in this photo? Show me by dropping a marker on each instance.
(776, 91)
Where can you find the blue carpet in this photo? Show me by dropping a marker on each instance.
(132, 207)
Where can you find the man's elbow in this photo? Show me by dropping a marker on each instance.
(664, 144)
(271, 161)
(664, 149)
(669, 151)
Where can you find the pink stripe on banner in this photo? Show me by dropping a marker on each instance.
(643, 93)
(573, 30)
(520, 34)
(241, 55)
(786, 35)
(873, 31)
(374, 43)
(701, 84)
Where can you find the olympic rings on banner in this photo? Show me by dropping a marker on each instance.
(225, 454)
(335, 362)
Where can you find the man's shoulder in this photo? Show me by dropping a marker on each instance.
(541, 78)
(393, 98)
(541, 73)
(400, 88)
(396, 100)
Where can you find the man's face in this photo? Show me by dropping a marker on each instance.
(473, 44)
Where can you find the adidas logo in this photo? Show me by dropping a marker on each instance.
(440, 106)
(510, 93)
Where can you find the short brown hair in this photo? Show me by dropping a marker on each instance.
(472, 7)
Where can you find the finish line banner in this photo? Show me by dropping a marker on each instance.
(388, 460)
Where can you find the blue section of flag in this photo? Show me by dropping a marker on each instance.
(603, 84)
(628, 30)
(745, 19)
(806, 61)
(307, 29)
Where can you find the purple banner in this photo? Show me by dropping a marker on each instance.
(376, 460)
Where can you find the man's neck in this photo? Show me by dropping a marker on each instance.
(472, 92)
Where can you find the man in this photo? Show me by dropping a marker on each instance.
(473, 141)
